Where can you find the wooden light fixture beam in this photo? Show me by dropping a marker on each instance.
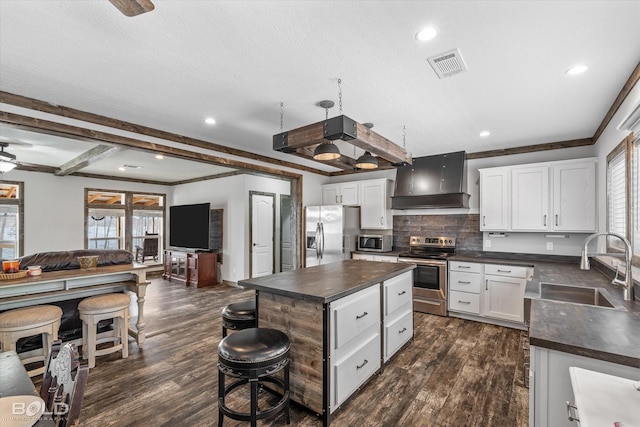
(302, 141)
(133, 7)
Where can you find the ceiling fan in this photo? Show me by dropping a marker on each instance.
(133, 7)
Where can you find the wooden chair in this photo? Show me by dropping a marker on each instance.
(149, 247)
(63, 385)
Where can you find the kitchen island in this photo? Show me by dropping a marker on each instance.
(344, 320)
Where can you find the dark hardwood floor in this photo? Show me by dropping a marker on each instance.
(454, 372)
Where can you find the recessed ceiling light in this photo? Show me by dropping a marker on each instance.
(484, 134)
(576, 69)
(210, 121)
(121, 169)
(426, 34)
(159, 156)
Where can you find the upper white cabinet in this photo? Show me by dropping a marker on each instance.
(550, 197)
(494, 199)
(574, 196)
(530, 198)
(375, 204)
(343, 193)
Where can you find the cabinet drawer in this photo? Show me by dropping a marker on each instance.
(464, 301)
(466, 282)
(353, 370)
(354, 314)
(469, 267)
(506, 270)
(397, 333)
(397, 292)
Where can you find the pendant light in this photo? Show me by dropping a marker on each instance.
(367, 160)
(326, 150)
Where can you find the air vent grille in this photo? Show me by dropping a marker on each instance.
(448, 63)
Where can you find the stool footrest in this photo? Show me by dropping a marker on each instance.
(245, 416)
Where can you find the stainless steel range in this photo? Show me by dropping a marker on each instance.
(430, 254)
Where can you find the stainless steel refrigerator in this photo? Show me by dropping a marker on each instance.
(331, 233)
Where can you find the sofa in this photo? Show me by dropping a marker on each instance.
(68, 260)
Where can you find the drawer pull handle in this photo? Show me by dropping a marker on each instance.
(362, 315)
(363, 363)
(504, 271)
(464, 302)
(403, 330)
(402, 293)
(463, 282)
(570, 415)
(464, 266)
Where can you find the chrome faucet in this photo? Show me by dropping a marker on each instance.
(627, 284)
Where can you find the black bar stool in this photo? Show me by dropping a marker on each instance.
(253, 355)
(239, 315)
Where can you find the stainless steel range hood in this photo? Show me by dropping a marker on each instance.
(432, 182)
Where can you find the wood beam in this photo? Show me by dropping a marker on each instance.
(93, 197)
(93, 155)
(133, 7)
(114, 199)
(531, 148)
(45, 107)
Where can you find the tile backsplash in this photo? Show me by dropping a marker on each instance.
(464, 227)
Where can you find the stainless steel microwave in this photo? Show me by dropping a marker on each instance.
(375, 242)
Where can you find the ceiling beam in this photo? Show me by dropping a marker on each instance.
(531, 148)
(95, 154)
(133, 7)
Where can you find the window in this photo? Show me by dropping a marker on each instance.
(11, 219)
(623, 197)
(121, 219)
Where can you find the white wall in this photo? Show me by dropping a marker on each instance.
(54, 208)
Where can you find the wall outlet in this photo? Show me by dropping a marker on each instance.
(487, 243)
(549, 246)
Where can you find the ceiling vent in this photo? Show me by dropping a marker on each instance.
(448, 63)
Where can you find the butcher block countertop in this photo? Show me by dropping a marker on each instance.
(329, 282)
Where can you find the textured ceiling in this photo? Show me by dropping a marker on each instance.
(237, 60)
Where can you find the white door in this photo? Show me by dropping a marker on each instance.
(261, 235)
(503, 298)
(530, 198)
(373, 208)
(286, 254)
(574, 197)
(494, 199)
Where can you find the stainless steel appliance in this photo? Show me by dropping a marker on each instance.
(331, 233)
(375, 242)
(430, 254)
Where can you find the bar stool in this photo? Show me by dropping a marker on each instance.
(239, 315)
(253, 355)
(27, 322)
(101, 307)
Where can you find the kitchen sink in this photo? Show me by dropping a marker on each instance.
(575, 294)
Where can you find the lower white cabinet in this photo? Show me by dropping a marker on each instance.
(550, 384)
(490, 293)
(372, 257)
(398, 313)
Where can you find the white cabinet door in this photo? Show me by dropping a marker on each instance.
(504, 298)
(530, 198)
(375, 206)
(574, 197)
(344, 193)
(494, 199)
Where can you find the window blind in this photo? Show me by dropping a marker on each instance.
(617, 199)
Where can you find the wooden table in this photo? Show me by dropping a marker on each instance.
(307, 304)
(71, 284)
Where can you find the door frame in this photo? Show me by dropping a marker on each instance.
(273, 229)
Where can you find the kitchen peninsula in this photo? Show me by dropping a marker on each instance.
(344, 320)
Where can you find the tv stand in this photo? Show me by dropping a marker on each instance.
(191, 267)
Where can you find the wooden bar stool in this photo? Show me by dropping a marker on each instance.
(239, 315)
(101, 307)
(27, 322)
(252, 356)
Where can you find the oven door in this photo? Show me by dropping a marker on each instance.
(429, 285)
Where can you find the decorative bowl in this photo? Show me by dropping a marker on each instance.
(88, 262)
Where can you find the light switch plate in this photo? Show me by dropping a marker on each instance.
(549, 246)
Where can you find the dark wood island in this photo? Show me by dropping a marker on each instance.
(344, 320)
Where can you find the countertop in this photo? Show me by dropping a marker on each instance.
(329, 282)
(610, 334)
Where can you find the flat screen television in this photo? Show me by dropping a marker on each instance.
(189, 226)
